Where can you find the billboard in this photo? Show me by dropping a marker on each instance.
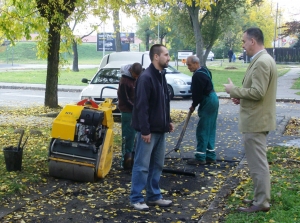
(108, 40)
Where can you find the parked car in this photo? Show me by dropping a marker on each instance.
(179, 84)
(241, 56)
(210, 56)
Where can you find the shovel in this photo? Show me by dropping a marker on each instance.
(176, 149)
(21, 132)
(32, 132)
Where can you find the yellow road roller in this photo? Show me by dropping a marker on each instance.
(81, 148)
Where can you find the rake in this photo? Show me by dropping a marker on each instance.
(177, 149)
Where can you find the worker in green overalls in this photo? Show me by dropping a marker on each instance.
(203, 94)
(130, 73)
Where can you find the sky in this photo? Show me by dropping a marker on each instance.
(290, 8)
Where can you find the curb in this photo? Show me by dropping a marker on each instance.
(217, 209)
(39, 88)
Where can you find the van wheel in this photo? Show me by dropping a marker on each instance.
(171, 92)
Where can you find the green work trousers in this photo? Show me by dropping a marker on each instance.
(128, 135)
(206, 128)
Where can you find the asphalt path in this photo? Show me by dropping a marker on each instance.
(107, 200)
(24, 97)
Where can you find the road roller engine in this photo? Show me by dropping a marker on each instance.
(81, 148)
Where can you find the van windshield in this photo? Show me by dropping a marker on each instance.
(171, 69)
(107, 76)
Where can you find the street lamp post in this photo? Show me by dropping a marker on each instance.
(275, 33)
(103, 43)
(158, 33)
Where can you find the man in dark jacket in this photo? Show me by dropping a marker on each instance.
(230, 54)
(126, 100)
(151, 119)
(203, 94)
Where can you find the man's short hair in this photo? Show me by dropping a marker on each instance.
(136, 68)
(256, 34)
(155, 49)
(194, 59)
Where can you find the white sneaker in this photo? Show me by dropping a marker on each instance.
(140, 206)
(160, 203)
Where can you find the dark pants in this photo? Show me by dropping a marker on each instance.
(128, 135)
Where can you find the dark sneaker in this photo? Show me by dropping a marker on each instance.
(195, 162)
(160, 203)
(140, 206)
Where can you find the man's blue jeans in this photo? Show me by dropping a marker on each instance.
(147, 168)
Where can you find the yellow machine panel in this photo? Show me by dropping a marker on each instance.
(64, 125)
(106, 155)
(107, 107)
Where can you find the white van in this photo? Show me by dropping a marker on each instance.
(179, 84)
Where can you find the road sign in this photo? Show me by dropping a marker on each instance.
(184, 54)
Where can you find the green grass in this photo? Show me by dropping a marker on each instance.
(25, 52)
(285, 189)
(296, 84)
(221, 71)
(66, 77)
(34, 161)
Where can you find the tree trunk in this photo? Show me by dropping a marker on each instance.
(56, 12)
(194, 12)
(51, 99)
(116, 18)
(75, 57)
(147, 41)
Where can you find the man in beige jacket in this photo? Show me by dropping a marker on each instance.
(257, 100)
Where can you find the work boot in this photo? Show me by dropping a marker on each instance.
(128, 161)
(196, 162)
(209, 161)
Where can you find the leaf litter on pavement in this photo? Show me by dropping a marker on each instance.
(106, 200)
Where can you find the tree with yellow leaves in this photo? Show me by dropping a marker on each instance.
(48, 18)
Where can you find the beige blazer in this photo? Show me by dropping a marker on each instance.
(258, 95)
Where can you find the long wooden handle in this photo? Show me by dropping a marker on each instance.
(183, 131)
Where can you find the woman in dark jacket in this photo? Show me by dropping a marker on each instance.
(126, 99)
